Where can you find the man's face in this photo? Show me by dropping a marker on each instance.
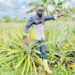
(39, 12)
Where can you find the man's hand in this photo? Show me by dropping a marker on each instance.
(61, 15)
(25, 36)
(26, 39)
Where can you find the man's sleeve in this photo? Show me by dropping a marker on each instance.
(50, 17)
(28, 25)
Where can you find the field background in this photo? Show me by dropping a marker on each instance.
(60, 50)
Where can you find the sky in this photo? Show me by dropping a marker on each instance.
(13, 8)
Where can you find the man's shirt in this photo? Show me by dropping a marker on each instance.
(38, 25)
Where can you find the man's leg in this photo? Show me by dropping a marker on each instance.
(43, 50)
(38, 42)
(44, 57)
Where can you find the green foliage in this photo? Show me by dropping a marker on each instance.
(73, 10)
(14, 52)
(15, 19)
(44, 3)
(6, 19)
(18, 59)
(0, 20)
(36, 4)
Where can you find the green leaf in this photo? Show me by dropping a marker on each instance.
(24, 66)
(34, 66)
(28, 63)
(21, 61)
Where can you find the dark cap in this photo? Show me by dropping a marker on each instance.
(39, 8)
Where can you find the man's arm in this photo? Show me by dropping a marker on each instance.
(28, 25)
(25, 38)
(53, 17)
(46, 18)
(61, 15)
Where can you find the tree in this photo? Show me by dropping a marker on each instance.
(0, 20)
(7, 19)
(73, 10)
(36, 4)
(58, 6)
(15, 19)
(45, 3)
(73, 13)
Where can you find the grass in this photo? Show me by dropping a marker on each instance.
(60, 51)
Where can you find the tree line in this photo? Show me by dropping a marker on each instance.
(15, 19)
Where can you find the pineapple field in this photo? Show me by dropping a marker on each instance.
(16, 58)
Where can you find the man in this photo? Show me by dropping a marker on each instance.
(38, 25)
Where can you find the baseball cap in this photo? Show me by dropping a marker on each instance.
(39, 8)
